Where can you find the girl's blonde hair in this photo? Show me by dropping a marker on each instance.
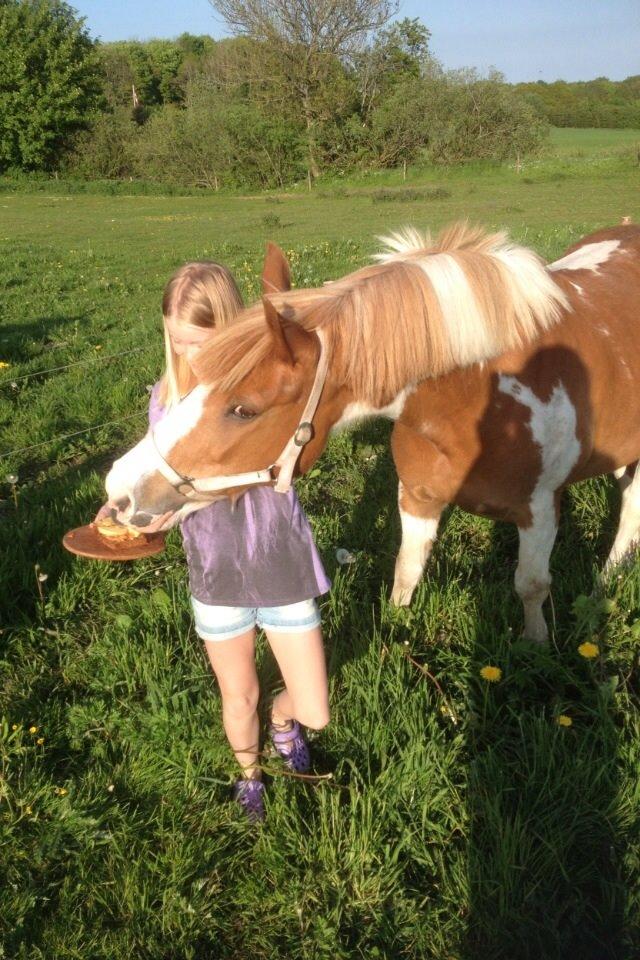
(200, 294)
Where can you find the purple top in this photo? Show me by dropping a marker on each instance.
(259, 554)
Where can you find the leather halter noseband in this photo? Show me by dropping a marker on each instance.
(193, 488)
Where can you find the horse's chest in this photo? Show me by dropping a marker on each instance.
(551, 427)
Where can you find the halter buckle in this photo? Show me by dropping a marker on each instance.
(303, 434)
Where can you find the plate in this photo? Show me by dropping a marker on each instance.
(87, 542)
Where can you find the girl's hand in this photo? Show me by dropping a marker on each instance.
(158, 523)
(104, 511)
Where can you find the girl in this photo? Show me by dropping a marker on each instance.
(252, 564)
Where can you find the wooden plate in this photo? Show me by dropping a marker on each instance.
(87, 542)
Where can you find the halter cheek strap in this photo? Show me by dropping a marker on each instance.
(287, 460)
(196, 488)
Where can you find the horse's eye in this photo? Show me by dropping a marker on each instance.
(242, 413)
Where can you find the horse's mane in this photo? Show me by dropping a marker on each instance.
(426, 307)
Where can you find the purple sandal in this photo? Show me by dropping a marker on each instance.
(292, 747)
(250, 795)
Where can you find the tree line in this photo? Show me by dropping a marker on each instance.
(302, 88)
(594, 103)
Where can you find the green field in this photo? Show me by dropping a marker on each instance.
(452, 819)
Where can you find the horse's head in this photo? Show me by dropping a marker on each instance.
(255, 378)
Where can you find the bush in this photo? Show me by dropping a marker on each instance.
(49, 82)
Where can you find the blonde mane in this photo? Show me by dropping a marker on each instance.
(425, 308)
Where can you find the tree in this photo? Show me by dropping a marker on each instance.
(397, 55)
(308, 37)
(49, 81)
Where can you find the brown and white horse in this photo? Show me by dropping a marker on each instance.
(506, 379)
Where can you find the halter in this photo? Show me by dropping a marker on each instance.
(193, 488)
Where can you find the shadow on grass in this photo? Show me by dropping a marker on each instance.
(17, 340)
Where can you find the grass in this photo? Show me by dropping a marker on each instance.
(460, 820)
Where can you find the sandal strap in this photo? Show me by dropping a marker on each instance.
(285, 736)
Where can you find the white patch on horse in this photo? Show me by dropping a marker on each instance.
(628, 533)
(553, 429)
(140, 461)
(354, 412)
(418, 534)
(181, 420)
(589, 257)
(577, 287)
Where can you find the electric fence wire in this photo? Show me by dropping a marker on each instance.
(68, 436)
(75, 363)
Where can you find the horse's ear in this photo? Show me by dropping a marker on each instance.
(276, 275)
(274, 320)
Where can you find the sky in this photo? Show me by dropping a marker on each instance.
(524, 39)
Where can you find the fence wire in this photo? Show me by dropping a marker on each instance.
(75, 363)
(68, 436)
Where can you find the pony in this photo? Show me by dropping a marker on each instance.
(507, 379)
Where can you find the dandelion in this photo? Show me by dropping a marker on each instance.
(61, 791)
(40, 741)
(14, 726)
(98, 347)
(491, 674)
(33, 729)
(4, 364)
(588, 650)
(564, 721)
(28, 811)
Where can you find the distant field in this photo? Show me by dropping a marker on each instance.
(575, 142)
(461, 821)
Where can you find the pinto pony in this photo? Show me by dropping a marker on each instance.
(507, 380)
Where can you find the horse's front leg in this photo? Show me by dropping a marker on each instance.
(419, 519)
(533, 578)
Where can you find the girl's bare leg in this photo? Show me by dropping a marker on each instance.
(305, 697)
(233, 663)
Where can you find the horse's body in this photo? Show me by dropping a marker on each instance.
(532, 387)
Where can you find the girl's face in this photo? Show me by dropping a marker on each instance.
(186, 340)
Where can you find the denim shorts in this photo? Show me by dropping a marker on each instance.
(224, 623)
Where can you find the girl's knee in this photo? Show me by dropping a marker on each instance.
(314, 719)
(241, 704)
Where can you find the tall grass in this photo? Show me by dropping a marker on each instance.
(451, 817)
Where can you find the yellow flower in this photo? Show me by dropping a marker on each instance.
(491, 674)
(589, 650)
(40, 741)
(563, 720)
(28, 811)
(14, 726)
(4, 364)
(33, 729)
(61, 791)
